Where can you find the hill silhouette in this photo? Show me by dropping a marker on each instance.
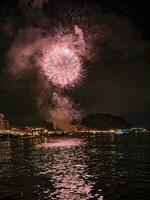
(104, 121)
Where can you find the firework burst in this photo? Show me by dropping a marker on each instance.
(62, 65)
(62, 55)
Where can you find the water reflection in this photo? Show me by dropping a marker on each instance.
(46, 168)
(59, 143)
(67, 171)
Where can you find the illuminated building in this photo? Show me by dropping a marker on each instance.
(4, 123)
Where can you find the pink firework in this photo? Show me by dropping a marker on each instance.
(62, 65)
(61, 60)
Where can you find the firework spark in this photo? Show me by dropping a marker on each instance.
(61, 60)
(62, 66)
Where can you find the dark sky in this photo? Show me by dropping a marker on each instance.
(117, 81)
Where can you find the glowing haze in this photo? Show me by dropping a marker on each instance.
(63, 112)
(58, 58)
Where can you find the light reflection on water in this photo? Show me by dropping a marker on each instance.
(116, 167)
(58, 143)
(68, 171)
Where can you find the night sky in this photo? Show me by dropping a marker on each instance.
(117, 79)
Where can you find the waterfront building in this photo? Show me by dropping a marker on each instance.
(4, 123)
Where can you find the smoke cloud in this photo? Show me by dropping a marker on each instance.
(63, 112)
(27, 42)
(38, 3)
(58, 55)
(57, 60)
